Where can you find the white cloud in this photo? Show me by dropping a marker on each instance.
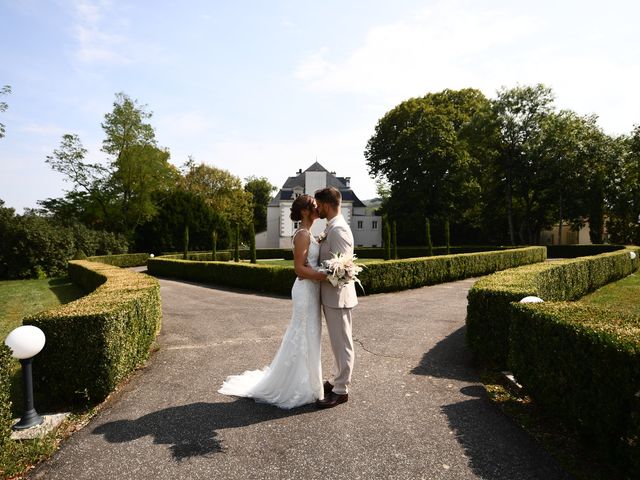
(42, 129)
(95, 44)
(462, 44)
(432, 50)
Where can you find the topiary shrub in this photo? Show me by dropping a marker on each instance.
(489, 312)
(96, 341)
(582, 364)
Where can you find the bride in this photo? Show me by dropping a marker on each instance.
(294, 377)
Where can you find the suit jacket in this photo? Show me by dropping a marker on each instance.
(338, 239)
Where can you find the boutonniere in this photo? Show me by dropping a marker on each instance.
(321, 237)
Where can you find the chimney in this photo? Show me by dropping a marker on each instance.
(299, 171)
(347, 181)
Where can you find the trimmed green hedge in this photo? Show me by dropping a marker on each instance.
(418, 252)
(124, 260)
(376, 277)
(393, 275)
(221, 256)
(5, 394)
(262, 278)
(97, 340)
(582, 363)
(575, 251)
(488, 310)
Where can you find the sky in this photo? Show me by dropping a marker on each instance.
(265, 88)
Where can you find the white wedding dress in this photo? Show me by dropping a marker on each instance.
(294, 377)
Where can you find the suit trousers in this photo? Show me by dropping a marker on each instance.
(339, 327)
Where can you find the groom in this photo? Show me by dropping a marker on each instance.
(336, 302)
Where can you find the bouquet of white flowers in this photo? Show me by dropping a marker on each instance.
(342, 269)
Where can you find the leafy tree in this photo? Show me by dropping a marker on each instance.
(164, 232)
(119, 194)
(261, 190)
(623, 192)
(35, 246)
(419, 151)
(220, 190)
(515, 126)
(6, 90)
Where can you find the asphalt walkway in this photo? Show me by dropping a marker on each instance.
(416, 411)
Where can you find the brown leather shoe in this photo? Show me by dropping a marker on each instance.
(328, 388)
(332, 400)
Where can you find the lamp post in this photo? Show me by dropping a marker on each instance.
(25, 343)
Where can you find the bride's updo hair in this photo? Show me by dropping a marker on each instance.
(303, 202)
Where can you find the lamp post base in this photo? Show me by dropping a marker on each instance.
(29, 419)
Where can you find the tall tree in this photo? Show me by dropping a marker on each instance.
(220, 190)
(6, 90)
(419, 150)
(623, 191)
(261, 190)
(119, 194)
(516, 119)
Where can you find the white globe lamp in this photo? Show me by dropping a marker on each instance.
(25, 343)
(531, 299)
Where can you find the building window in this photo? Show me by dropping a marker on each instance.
(359, 227)
(374, 224)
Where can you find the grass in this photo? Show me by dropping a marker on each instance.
(565, 444)
(19, 298)
(622, 295)
(289, 263)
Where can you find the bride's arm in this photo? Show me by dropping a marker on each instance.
(301, 244)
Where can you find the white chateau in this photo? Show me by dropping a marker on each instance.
(367, 229)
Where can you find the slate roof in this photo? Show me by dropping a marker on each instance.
(286, 193)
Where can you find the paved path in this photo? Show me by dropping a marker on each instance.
(416, 409)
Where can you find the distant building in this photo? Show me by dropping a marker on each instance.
(367, 229)
(570, 236)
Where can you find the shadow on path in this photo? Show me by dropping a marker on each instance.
(449, 358)
(497, 448)
(192, 430)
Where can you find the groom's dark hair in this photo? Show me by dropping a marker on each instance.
(330, 195)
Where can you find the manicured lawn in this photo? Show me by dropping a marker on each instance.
(19, 298)
(289, 263)
(621, 295)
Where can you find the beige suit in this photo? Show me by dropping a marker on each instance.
(337, 304)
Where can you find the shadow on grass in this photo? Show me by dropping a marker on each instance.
(193, 430)
(65, 290)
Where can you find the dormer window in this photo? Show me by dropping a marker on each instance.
(297, 191)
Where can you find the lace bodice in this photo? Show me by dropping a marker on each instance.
(314, 248)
